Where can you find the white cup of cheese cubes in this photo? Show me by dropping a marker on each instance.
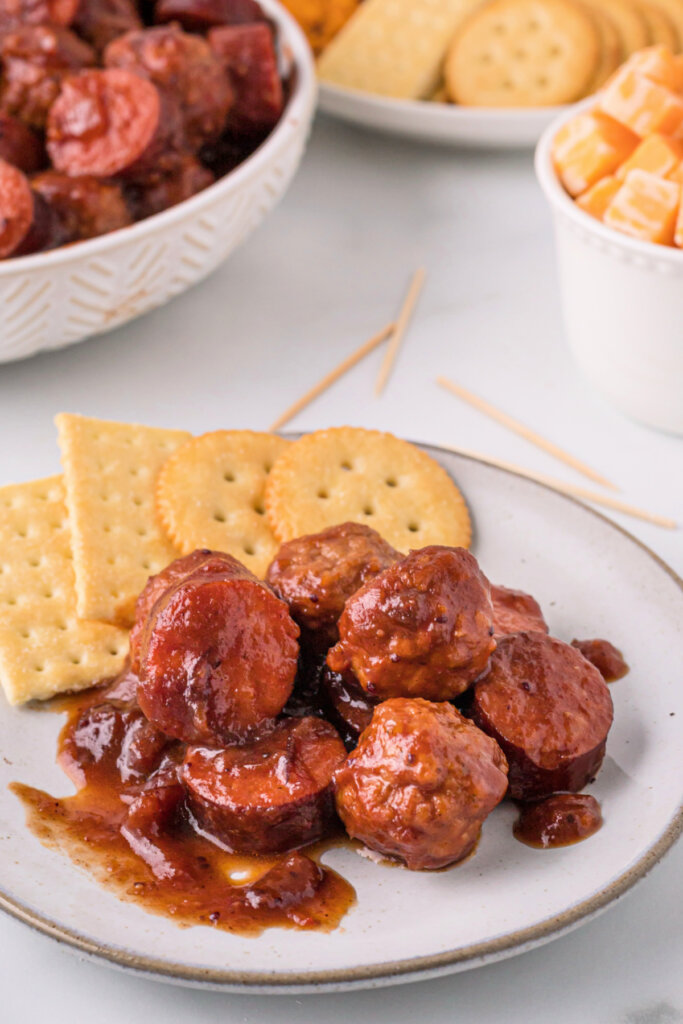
(612, 171)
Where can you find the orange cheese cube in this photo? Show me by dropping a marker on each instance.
(589, 147)
(657, 154)
(645, 207)
(657, 63)
(596, 199)
(677, 174)
(641, 104)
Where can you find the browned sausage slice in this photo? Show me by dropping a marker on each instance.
(184, 67)
(420, 783)
(249, 56)
(317, 574)
(607, 658)
(26, 223)
(169, 577)
(200, 15)
(550, 711)
(217, 656)
(422, 628)
(272, 795)
(346, 704)
(515, 611)
(20, 146)
(85, 207)
(111, 122)
(35, 60)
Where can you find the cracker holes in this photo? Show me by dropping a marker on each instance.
(48, 594)
(138, 501)
(115, 594)
(75, 659)
(219, 517)
(25, 634)
(34, 563)
(391, 481)
(542, 81)
(346, 465)
(146, 565)
(323, 494)
(114, 651)
(368, 510)
(11, 601)
(413, 526)
(259, 508)
(267, 467)
(141, 531)
(249, 549)
(38, 668)
(229, 477)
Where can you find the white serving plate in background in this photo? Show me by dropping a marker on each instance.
(52, 299)
(592, 579)
(441, 123)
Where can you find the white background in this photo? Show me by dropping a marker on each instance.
(324, 273)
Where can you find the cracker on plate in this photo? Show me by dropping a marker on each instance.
(523, 53)
(211, 494)
(110, 472)
(44, 648)
(394, 47)
(364, 476)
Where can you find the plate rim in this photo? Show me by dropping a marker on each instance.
(392, 971)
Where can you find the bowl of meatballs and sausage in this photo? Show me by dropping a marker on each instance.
(140, 143)
(292, 685)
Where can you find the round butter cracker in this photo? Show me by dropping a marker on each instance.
(628, 21)
(347, 474)
(523, 53)
(210, 494)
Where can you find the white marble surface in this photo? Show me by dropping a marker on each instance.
(321, 275)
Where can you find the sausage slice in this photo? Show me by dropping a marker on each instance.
(201, 15)
(515, 611)
(420, 783)
(112, 122)
(550, 711)
(26, 222)
(345, 703)
(249, 56)
(422, 628)
(216, 655)
(272, 795)
(607, 658)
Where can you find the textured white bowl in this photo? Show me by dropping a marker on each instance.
(622, 301)
(57, 298)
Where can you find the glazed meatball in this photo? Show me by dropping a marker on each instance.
(422, 628)
(216, 654)
(269, 796)
(515, 611)
(420, 783)
(550, 711)
(316, 575)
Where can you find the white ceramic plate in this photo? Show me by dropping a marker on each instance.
(441, 123)
(592, 579)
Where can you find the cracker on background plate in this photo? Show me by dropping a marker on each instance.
(211, 494)
(661, 29)
(523, 53)
(44, 648)
(110, 472)
(394, 47)
(347, 474)
(628, 21)
(611, 49)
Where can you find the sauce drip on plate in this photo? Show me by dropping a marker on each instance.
(128, 826)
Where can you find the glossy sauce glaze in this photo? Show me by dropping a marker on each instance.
(129, 826)
(561, 820)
